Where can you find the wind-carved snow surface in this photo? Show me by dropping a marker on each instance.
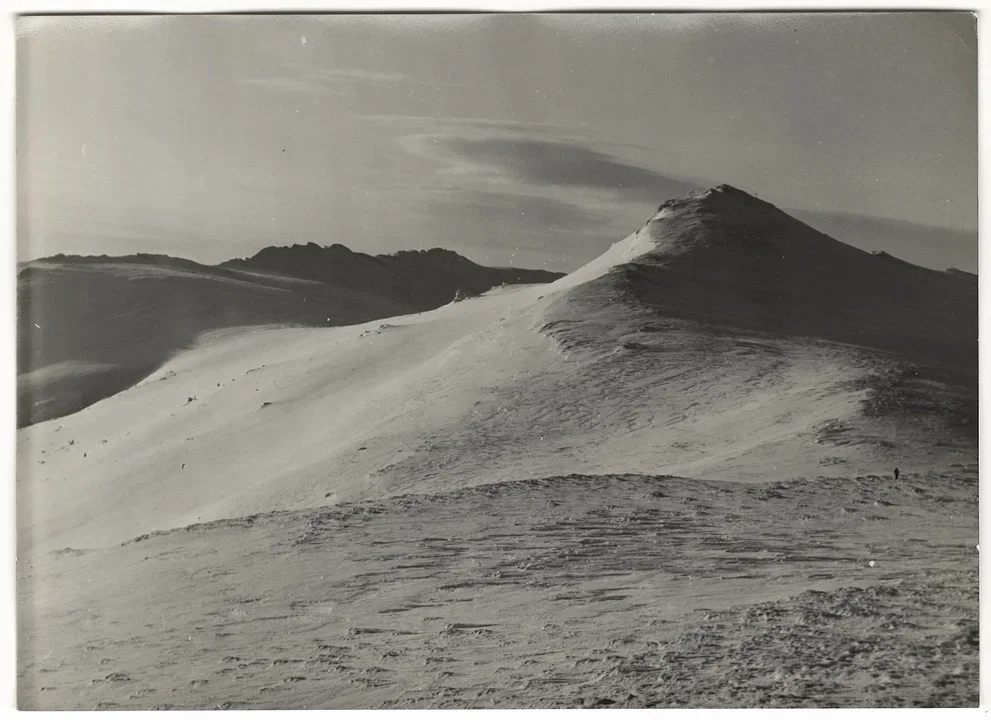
(369, 512)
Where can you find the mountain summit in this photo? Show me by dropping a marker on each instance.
(726, 258)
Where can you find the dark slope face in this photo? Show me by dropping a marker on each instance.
(420, 279)
(88, 329)
(726, 258)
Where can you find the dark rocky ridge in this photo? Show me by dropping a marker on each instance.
(420, 279)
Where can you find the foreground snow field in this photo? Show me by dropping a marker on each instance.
(629, 591)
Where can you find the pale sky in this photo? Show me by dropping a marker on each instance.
(528, 140)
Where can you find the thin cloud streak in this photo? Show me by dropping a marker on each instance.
(305, 79)
(569, 164)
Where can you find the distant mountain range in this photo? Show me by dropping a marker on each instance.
(418, 279)
(90, 326)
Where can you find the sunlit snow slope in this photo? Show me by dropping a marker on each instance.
(723, 340)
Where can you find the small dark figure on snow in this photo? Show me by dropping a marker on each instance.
(897, 473)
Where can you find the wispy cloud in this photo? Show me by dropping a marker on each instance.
(338, 81)
(548, 159)
(490, 126)
(354, 75)
(291, 85)
(568, 164)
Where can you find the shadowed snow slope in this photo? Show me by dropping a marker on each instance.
(723, 340)
(727, 258)
(92, 326)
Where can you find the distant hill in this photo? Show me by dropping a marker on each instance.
(419, 279)
(89, 327)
